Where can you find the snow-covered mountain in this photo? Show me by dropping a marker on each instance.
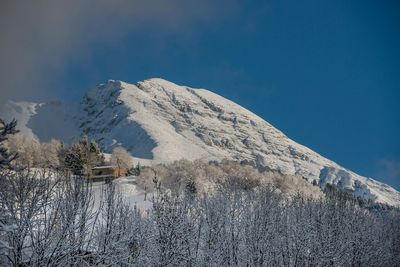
(160, 121)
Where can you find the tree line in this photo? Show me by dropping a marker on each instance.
(78, 157)
(62, 222)
(58, 219)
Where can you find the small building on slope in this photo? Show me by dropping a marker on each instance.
(100, 173)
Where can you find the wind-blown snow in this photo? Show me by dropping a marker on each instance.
(21, 111)
(160, 121)
(45, 120)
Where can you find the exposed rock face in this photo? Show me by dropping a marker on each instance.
(161, 121)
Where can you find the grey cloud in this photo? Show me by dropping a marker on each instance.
(38, 38)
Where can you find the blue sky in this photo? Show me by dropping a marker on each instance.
(326, 73)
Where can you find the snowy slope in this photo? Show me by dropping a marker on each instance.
(160, 121)
(44, 120)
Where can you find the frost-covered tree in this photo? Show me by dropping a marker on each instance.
(6, 129)
(121, 158)
(82, 157)
(32, 153)
(203, 177)
(6, 158)
(28, 150)
(23, 198)
(50, 152)
(63, 220)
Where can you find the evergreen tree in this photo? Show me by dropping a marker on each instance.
(191, 187)
(5, 130)
(6, 158)
(82, 157)
(135, 171)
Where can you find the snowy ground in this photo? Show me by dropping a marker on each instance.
(159, 122)
(128, 189)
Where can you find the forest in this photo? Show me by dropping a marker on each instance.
(202, 214)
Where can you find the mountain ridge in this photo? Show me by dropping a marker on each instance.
(160, 121)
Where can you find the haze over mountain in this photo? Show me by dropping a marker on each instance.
(161, 122)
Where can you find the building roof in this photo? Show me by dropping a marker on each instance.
(104, 167)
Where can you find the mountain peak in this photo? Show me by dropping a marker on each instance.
(159, 85)
(161, 122)
(160, 81)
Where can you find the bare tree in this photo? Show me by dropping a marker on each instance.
(121, 158)
(50, 154)
(28, 150)
(64, 220)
